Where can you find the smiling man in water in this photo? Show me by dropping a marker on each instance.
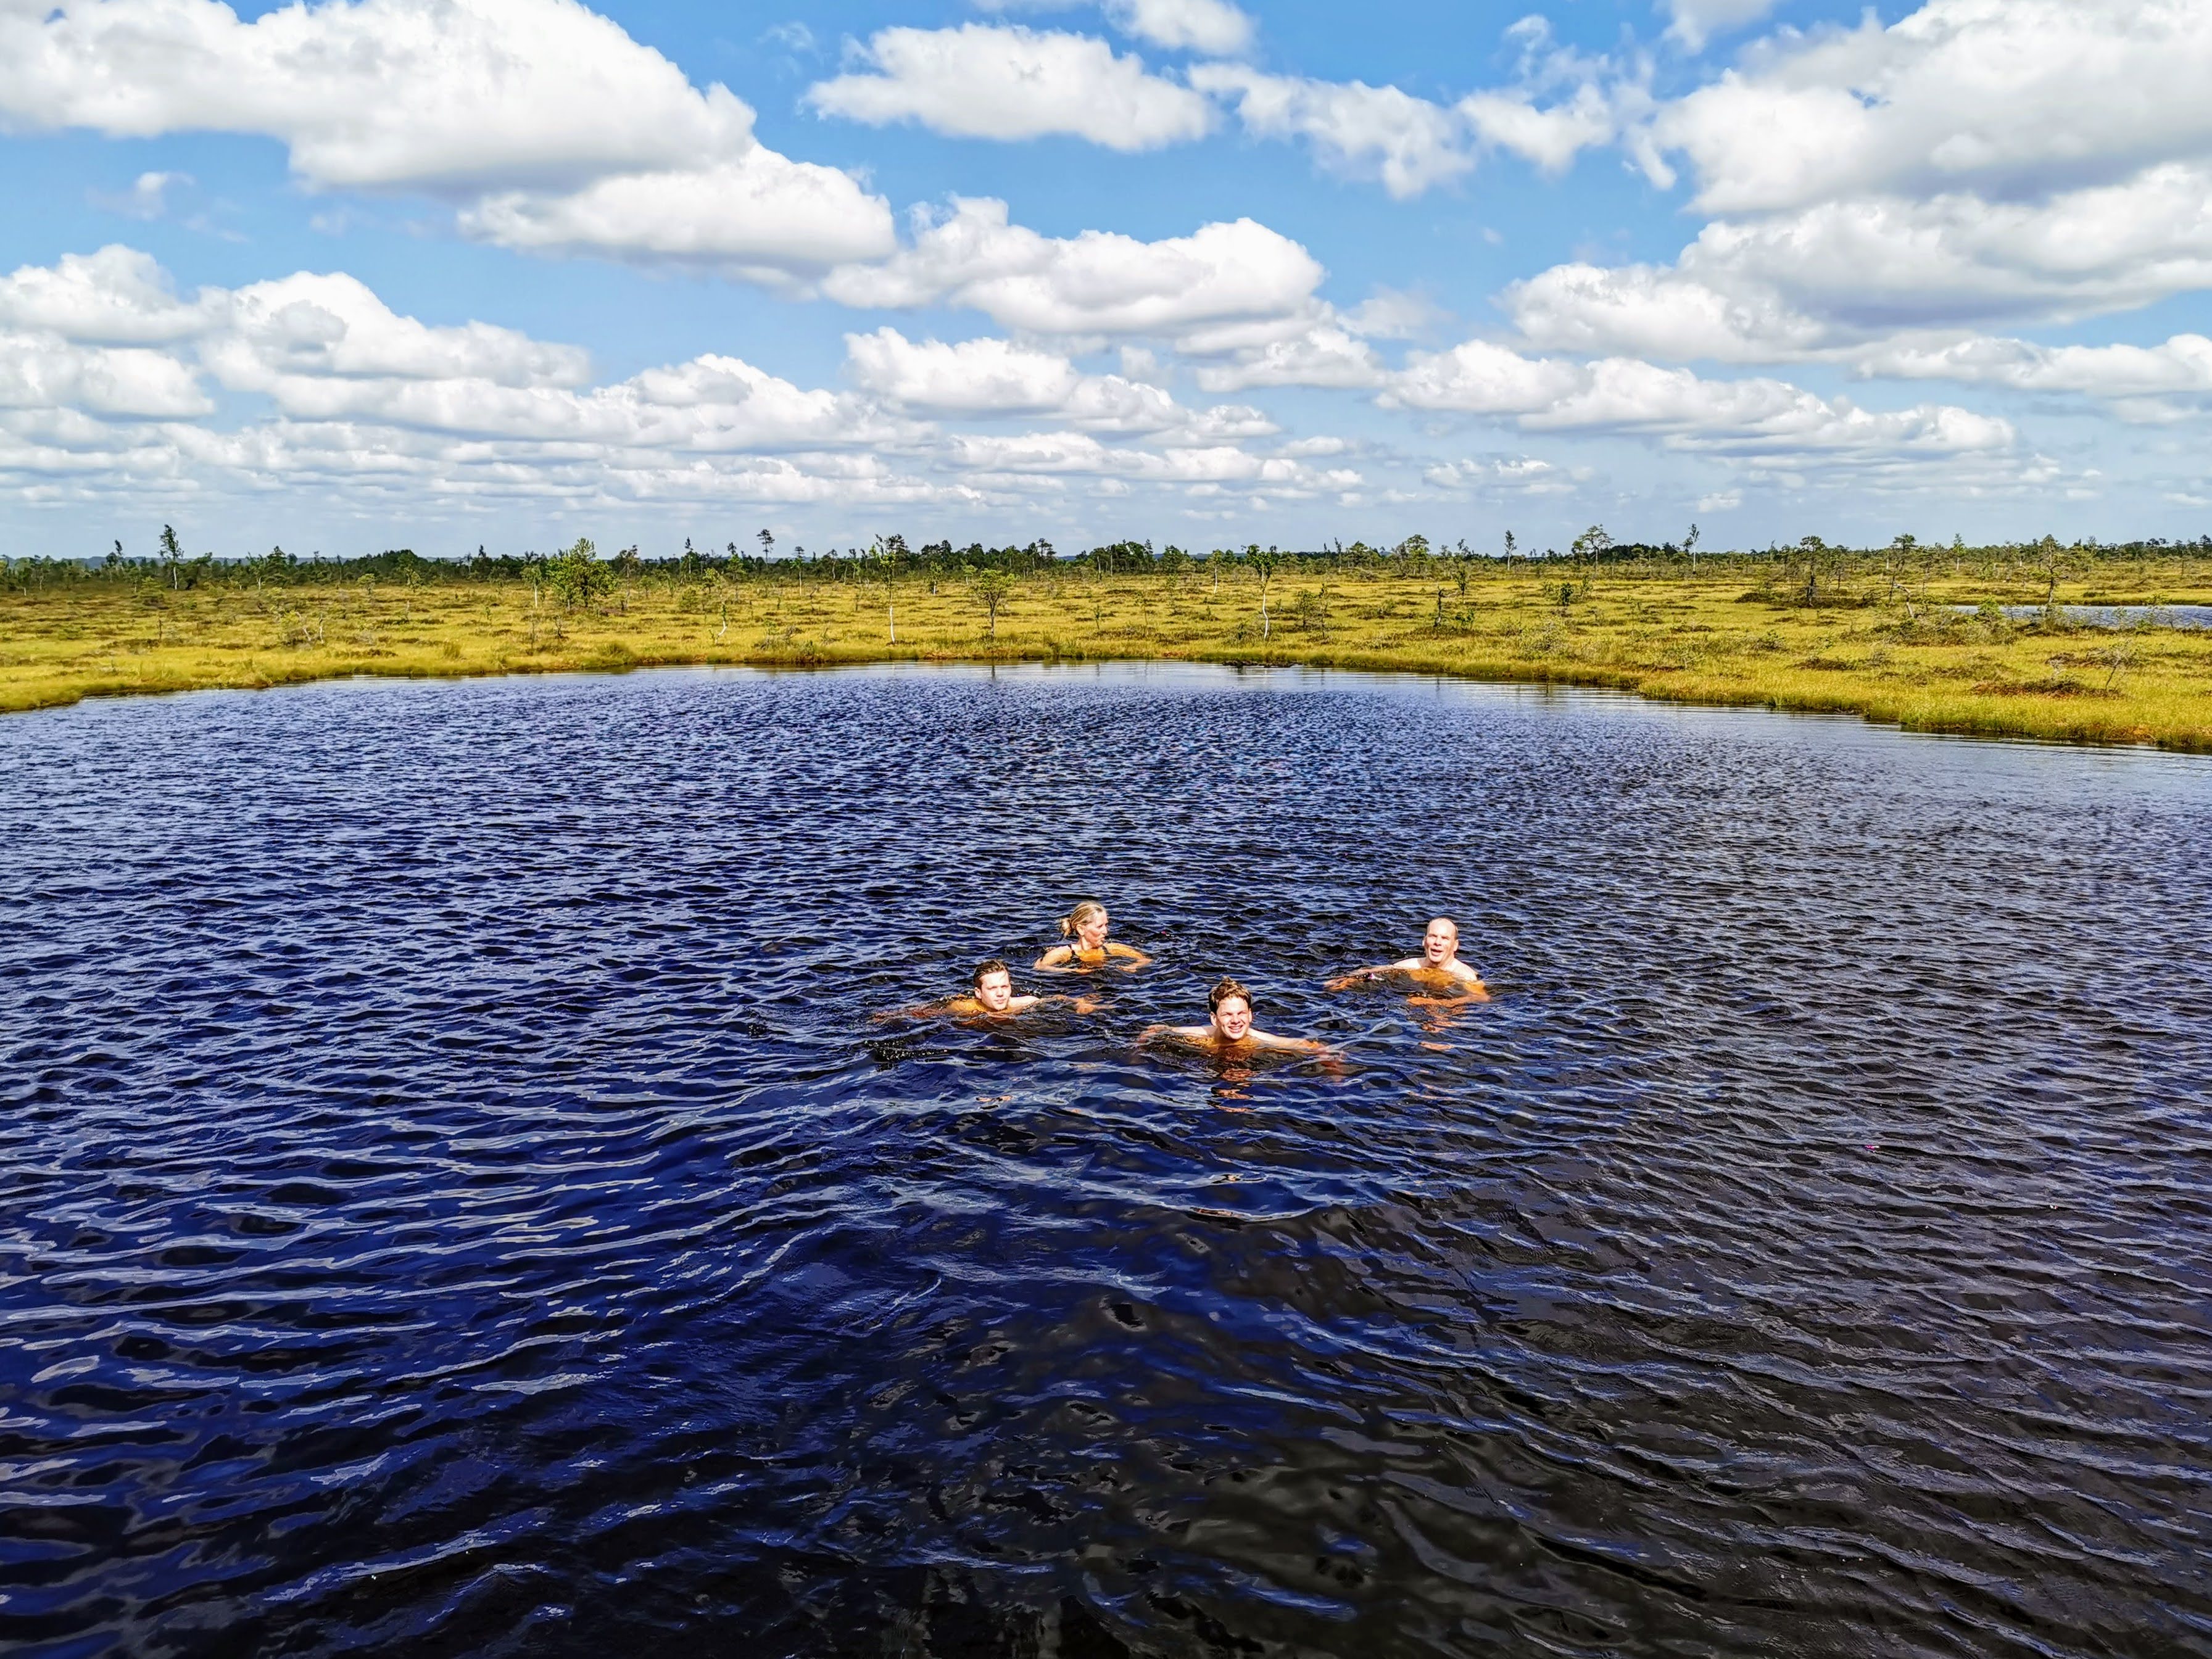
(990, 996)
(1230, 1032)
(1438, 966)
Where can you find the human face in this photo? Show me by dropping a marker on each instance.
(994, 991)
(1233, 1018)
(1440, 943)
(1092, 935)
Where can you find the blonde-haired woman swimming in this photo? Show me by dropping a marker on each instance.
(1084, 929)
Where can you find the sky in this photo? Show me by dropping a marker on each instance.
(440, 274)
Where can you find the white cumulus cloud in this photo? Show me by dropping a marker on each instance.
(2002, 97)
(1656, 312)
(1771, 287)
(1696, 21)
(1381, 132)
(43, 371)
(1097, 283)
(991, 377)
(1518, 475)
(1326, 354)
(974, 377)
(333, 326)
(1208, 26)
(116, 296)
(761, 215)
(2150, 382)
(1560, 104)
(1198, 466)
(1889, 261)
(447, 93)
(1214, 27)
(551, 126)
(1004, 82)
(147, 198)
(1548, 135)
(1615, 394)
(339, 393)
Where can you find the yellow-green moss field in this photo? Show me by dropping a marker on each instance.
(1882, 653)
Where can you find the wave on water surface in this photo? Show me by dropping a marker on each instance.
(456, 1195)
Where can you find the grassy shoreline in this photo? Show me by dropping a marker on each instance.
(1901, 655)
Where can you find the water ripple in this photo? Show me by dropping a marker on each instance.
(455, 1196)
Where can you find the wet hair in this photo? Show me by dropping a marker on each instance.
(1081, 914)
(1447, 921)
(1221, 994)
(993, 966)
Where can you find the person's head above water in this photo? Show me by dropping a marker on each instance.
(1230, 1005)
(1085, 924)
(1087, 948)
(993, 985)
(1231, 1033)
(1441, 942)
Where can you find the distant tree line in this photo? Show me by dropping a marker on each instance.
(579, 571)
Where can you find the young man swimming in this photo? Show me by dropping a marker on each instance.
(990, 996)
(1230, 1032)
(1084, 928)
(1438, 966)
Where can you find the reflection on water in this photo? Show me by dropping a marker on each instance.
(2115, 615)
(457, 1199)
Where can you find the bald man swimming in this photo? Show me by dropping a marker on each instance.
(1437, 967)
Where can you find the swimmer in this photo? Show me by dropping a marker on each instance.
(1085, 927)
(990, 996)
(1438, 965)
(1231, 1033)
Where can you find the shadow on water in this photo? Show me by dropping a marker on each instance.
(455, 1196)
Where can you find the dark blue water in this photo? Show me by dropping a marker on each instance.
(455, 1198)
(2117, 615)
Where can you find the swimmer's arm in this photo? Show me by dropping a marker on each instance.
(1081, 1004)
(1195, 1036)
(1128, 953)
(1470, 987)
(1055, 960)
(921, 1010)
(1359, 976)
(1288, 1045)
(1023, 1004)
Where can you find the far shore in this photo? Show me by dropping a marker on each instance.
(1936, 654)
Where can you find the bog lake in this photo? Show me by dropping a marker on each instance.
(456, 1195)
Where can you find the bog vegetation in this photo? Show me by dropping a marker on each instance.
(1935, 637)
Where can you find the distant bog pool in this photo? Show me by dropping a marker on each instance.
(458, 1198)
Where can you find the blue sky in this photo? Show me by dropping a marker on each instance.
(444, 272)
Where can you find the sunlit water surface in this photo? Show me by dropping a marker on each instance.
(454, 1197)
